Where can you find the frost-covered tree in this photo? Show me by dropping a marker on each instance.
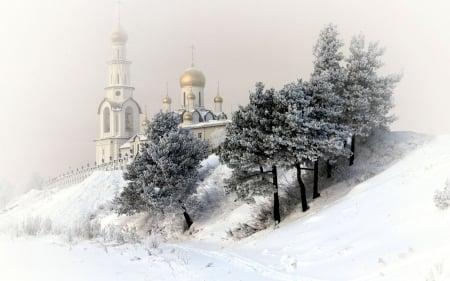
(293, 124)
(162, 123)
(165, 171)
(326, 87)
(130, 200)
(174, 173)
(252, 144)
(367, 96)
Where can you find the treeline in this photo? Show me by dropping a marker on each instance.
(305, 121)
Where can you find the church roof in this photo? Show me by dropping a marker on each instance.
(118, 105)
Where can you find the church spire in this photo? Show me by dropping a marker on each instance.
(192, 58)
(145, 122)
(167, 101)
(218, 100)
(118, 12)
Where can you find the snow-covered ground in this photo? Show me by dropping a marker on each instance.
(380, 227)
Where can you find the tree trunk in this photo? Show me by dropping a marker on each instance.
(329, 167)
(188, 219)
(352, 148)
(316, 180)
(305, 206)
(276, 200)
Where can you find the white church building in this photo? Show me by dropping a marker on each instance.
(121, 128)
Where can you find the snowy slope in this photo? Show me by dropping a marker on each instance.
(385, 228)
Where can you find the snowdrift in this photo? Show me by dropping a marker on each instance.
(376, 220)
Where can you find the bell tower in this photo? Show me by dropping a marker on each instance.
(119, 113)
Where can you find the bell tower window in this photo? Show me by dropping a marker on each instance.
(106, 121)
(129, 119)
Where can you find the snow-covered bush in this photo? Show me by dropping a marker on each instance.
(31, 226)
(262, 220)
(442, 197)
(152, 241)
(120, 234)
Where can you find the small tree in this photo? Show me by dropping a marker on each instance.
(130, 200)
(165, 171)
(174, 173)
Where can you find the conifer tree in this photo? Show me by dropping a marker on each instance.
(251, 142)
(326, 87)
(367, 96)
(165, 171)
(293, 123)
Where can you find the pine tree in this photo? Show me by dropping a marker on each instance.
(326, 87)
(252, 142)
(130, 200)
(165, 171)
(368, 97)
(176, 159)
(292, 122)
(162, 123)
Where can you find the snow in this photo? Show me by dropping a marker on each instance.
(380, 227)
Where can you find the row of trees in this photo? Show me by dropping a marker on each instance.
(309, 120)
(301, 123)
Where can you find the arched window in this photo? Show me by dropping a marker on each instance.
(129, 119)
(196, 117)
(106, 121)
(209, 116)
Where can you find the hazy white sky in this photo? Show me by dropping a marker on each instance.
(54, 70)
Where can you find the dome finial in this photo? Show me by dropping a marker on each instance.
(192, 59)
(218, 98)
(167, 99)
(145, 122)
(167, 89)
(118, 12)
(119, 35)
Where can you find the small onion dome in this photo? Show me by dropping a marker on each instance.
(167, 99)
(192, 77)
(187, 116)
(119, 35)
(191, 96)
(145, 122)
(218, 99)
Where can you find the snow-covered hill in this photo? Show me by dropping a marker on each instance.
(377, 221)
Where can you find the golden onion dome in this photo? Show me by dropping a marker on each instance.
(145, 122)
(119, 35)
(192, 77)
(218, 99)
(167, 99)
(187, 116)
(191, 96)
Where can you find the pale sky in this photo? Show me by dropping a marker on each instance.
(54, 70)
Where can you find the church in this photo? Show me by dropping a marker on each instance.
(122, 122)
